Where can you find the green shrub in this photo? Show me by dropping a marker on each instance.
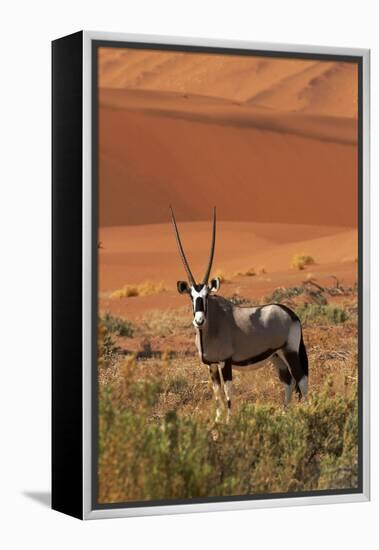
(316, 313)
(283, 294)
(177, 384)
(261, 450)
(238, 300)
(117, 325)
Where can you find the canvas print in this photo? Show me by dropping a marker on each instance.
(228, 276)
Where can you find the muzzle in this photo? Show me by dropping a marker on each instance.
(199, 319)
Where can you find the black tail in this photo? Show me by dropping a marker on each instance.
(303, 355)
(303, 361)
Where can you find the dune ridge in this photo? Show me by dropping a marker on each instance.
(323, 87)
(224, 112)
(266, 139)
(252, 173)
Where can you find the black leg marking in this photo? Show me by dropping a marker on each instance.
(297, 369)
(227, 372)
(284, 375)
(293, 360)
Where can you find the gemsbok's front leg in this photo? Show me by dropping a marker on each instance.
(216, 384)
(225, 370)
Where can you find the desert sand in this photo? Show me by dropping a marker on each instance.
(312, 86)
(135, 254)
(271, 142)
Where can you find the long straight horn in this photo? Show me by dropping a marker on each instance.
(207, 273)
(181, 251)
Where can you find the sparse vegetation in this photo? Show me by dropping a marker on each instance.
(117, 325)
(106, 349)
(157, 439)
(301, 261)
(143, 289)
(312, 291)
(321, 314)
(239, 300)
(164, 323)
(248, 273)
(148, 455)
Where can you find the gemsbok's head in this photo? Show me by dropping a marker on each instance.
(198, 292)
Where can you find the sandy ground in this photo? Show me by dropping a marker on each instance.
(134, 254)
(254, 165)
(322, 87)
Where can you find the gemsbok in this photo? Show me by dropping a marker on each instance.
(230, 336)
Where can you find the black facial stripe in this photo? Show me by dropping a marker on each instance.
(199, 304)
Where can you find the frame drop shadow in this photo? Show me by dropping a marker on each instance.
(41, 497)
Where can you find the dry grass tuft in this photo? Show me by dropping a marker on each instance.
(143, 289)
(248, 273)
(220, 273)
(300, 261)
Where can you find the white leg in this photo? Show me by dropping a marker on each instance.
(228, 389)
(227, 386)
(216, 385)
(288, 391)
(303, 386)
(285, 377)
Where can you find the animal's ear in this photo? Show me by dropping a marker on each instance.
(182, 287)
(214, 284)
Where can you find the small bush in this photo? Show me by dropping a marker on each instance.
(248, 273)
(117, 325)
(177, 384)
(106, 349)
(300, 261)
(143, 289)
(322, 314)
(238, 300)
(283, 294)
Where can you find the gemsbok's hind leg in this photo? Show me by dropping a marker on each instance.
(216, 385)
(299, 373)
(285, 377)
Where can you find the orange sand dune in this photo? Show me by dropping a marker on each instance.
(264, 139)
(262, 172)
(323, 87)
(196, 108)
(137, 253)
